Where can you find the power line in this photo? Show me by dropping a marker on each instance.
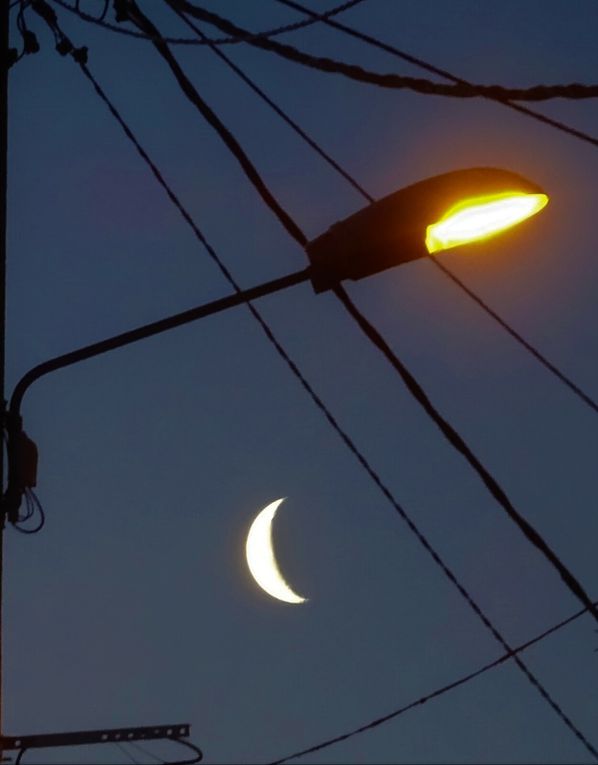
(584, 397)
(46, 12)
(556, 124)
(438, 560)
(458, 443)
(433, 695)
(143, 23)
(400, 54)
(373, 335)
(519, 338)
(534, 351)
(239, 297)
(104, 12)
(127, 754)
(392, 80)
(147, 752)
(177, 734)
(99, 21)
(281, 113)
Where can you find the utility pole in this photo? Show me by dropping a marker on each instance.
(177, 733)
(4, 16)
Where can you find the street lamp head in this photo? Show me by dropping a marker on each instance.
(450, 210)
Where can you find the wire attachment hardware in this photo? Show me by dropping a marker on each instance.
(22, 467)
(176, 733)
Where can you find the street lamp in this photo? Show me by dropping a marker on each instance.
(454, 209)
(464, 207)
(461, 208)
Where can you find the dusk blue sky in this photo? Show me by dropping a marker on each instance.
(134, 606)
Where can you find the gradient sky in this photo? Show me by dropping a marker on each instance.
(134, 606)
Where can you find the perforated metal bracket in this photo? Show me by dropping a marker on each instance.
(77, 738)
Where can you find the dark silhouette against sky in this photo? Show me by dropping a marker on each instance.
(135, 605)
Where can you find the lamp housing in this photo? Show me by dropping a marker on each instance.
(401, 226)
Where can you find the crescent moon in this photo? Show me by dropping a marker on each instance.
(260, 556)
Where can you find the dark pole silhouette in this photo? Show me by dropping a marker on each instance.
(4, 14)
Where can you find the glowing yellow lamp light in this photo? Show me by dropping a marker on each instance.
(478, 218)
(460, 207)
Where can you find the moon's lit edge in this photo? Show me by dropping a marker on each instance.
(259, 552)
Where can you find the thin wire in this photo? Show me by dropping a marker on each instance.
(534, 351)
(127, 753)
(198, 753)
(329, 417)
(137, 334)
(528, 346)
(400, 54)
(216, 41)
(147, 752)
(145, 25)
(104, 12)
(448, 431)
(365, 194)
(282, 114)
(434, 694)
(458, 443)
(188, 745)
(21, 23)
(32, 504)
(392, 80)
